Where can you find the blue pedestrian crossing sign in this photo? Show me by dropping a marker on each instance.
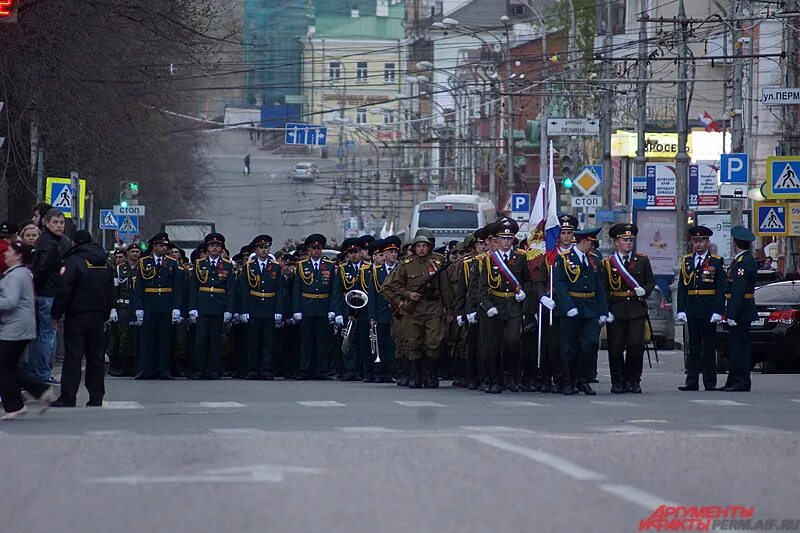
(770, 218)
(127, 226)
(783, 177)
(58, 193)
(306, 134)
(107, 219)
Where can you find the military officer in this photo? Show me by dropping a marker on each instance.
(628, 279)
(211, 299)
(261, 308)
(351, 275)
(379, 312)
(364, 243)
(740, 310)
(123, 359)
(701, 302)
(288, 342)
(502, 287)
(582, 308)
(466, 355)
(311, 305)
(417, 280)
(157, 301)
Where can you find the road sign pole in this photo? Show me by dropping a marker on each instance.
(76, 195)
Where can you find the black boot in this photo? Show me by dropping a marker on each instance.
(430, 380)
(402, 373)
(415, 374)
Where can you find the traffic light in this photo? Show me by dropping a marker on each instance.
(567, 182)
(8, 10)
(128, 191)
(567, 170)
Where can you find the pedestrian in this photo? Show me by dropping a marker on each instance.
(48, 252)
(82, 304)
(17, 329)
(246, 169)
(8, 234)
(740, 309)
(701, 303)
(29, 233)
(39, 212)
(629, 281)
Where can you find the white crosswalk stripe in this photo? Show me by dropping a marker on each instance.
(518, 403)
(751, 430)
(615, 403)
(238, 431)
(122, 405)
(417, 403)
(624, 430)
(221, 405)
(495, 429)
(322, 403)
(366, 429)
(721, 403)
(109, 433)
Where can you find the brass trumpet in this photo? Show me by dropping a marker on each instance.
(356, 300)
(373, 342)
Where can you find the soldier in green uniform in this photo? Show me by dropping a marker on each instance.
(379, 312)
(157, 301)
(701, 302)
(351, 275)
(582, 308)
(311, 305)
(210, 306)
(740, 310)
(628, 279)
(417, 280)
(501, 287)
(123, 360)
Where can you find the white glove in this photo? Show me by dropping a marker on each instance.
(281, 323)
(331, 317)
(176, 316)
(492, 312)
(681, 317)
(731, 322)
(640, 291)
(278, 317)
(113, 316)
(290, 322)
(716, 318)
(139, 315)
(602, 320)
(297, 317)
(339, 320)
(244, 318)
(572, 312)
(610, 318)
(472, 318)
(193, 316)
(460, 320)
(548, 302)
(520, 295)
(227, 317)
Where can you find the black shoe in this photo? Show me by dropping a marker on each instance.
(527, 387)
(472, 384)
(144, 376)
(586, 389)
(251, 376)
(617, 388)
(735, 388)
(636, 388)
(61, 402)
(369, 379)
(94, 403)
(266, 376)
(494, 389)
(710, 388)
(593, 380)
(116, 373)
(165, 377)
(558, 388)
(349, 377)
(546, 387)
(213, 377)
(690, 388)
(568, 390)
(195, 376)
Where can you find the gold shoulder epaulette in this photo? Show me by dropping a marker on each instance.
(408, 259)
(715, 256)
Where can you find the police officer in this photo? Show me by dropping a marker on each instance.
(582, 307)
(740, 310)
(379, 312)
(628, 279)
(260, 294)
(701, 302)
(157, 303)
(210, 306)
(85, 298)
(351, 275)
(311, 305)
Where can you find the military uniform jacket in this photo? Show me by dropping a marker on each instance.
(311, 290)
(378, 303)
(157, 289)
(186, 274)
(496, 291)
(463, 280)
(622, 301)
(701, 293)
(285, 293)
(349, 276)
(741, 306)
(261, 291)
(212, 290)
(124, 280)
(473, 298)
(410, 277)
(579, 287)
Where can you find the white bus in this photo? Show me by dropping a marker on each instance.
(452, 216)
(188, 233)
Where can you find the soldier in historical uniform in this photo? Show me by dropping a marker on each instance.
(582, 308)
(629, 280)
(261, 308)
(380, 314)
(211, 299)
(311, 305)
(701, 302)
(502, 287)
(123, 357)
(417, 280)
(157, 301)
(740, 309)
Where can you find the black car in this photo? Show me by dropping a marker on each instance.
(775, 334)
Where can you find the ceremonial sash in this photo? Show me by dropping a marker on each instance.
(623, 272)
(501, 265)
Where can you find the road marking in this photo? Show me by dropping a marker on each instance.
(494, 429)
(615, 403)
(237, 431)
(109, 433)
(518, 403)
(322, 403)
(624, 430)
(752, 430)
(718, 402)
(244, 474)
(415, 403)
(366, 429)
(648, 421)
(639, 497)
(795, 401)
(221, 405)
(122, 405)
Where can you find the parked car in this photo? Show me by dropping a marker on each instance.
(775, 334)
(304, 172)
(662, 319)
(765, 277)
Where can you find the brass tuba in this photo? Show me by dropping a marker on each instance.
(357, 300)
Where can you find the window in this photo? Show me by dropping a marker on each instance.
(617, 17)
(448, 218)
(388, 116)
(361, 115)
(519, 10)
(334, 70)
(361, 72)
(388, 72)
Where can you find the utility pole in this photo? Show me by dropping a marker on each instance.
(608, 104)
(737, 124)
(509, 115)
(682, 157)
(790, 134)
(641, 95)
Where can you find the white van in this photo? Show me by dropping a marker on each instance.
(451, 217)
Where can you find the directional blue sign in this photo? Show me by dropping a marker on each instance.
(771, 218)
(734, 168)
(107, 219)
(307, 134)
(521, 202)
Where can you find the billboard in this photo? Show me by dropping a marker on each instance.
(657, 239)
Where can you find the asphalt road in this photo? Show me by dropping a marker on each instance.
(240, 456)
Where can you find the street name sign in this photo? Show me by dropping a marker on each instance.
(134, 210)
(573, 126)
(780, 96)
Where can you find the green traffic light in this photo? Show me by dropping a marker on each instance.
(134, 186)
(567, 182)
(123, 203)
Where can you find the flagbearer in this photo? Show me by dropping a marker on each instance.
(629, 280)
(701, 302)
(582, 307)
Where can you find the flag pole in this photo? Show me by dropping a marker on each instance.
(547, 210)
